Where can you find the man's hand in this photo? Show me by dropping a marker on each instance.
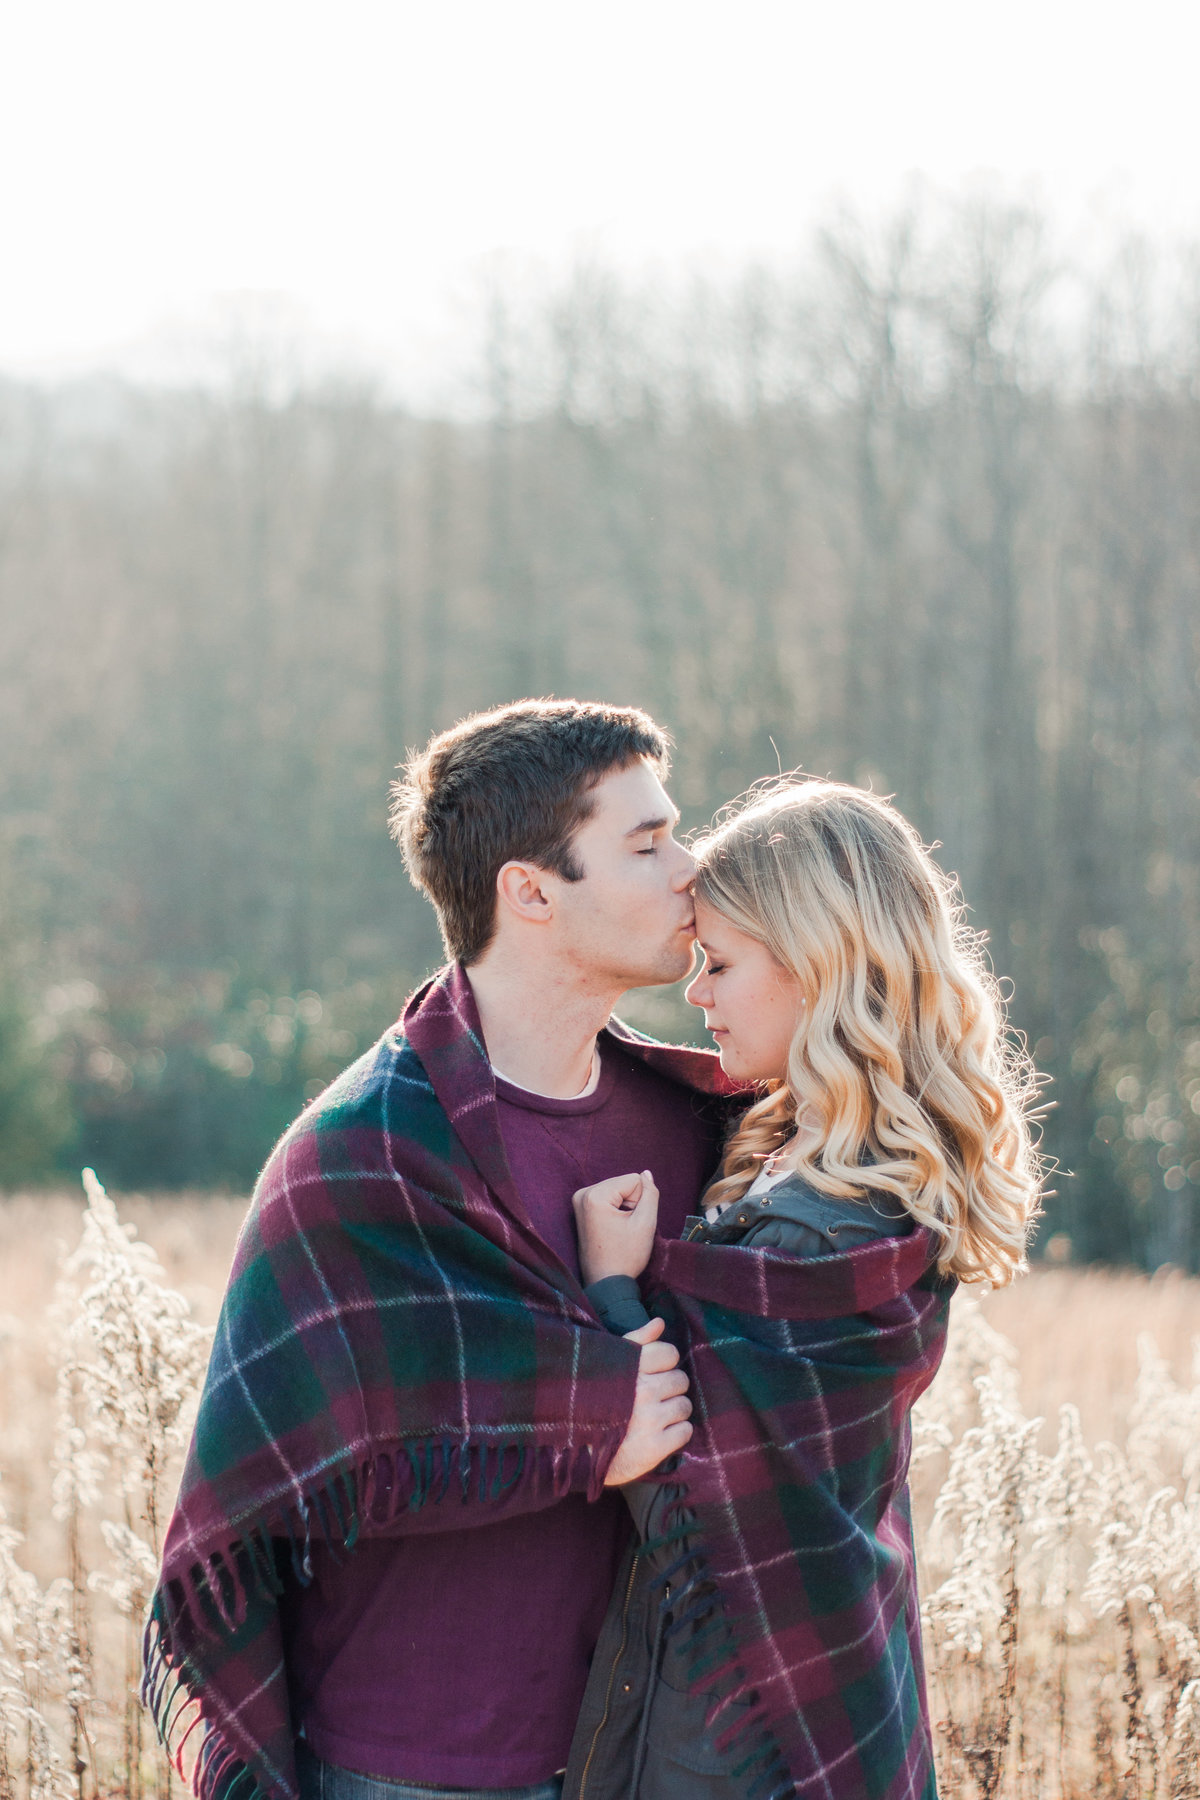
(658, 1425)
(615, 1220)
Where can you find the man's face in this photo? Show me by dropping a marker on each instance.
(630, 921)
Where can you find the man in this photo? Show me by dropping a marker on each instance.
(398, 1529)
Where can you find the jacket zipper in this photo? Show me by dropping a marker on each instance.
(633, 1569)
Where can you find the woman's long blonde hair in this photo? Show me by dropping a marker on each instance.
(900, 1052)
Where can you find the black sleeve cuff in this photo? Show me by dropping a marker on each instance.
(619, 1302)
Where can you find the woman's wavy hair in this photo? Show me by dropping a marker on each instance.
(901, 1050)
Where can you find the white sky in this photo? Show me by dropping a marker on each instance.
(365, 157)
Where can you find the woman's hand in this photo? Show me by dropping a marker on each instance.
(615, 1220)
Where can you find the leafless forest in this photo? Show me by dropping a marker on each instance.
(922, 512)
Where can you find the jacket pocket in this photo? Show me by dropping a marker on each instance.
(679, 1748)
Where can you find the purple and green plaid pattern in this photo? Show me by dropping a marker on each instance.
(394, 1334)
(794, 1508)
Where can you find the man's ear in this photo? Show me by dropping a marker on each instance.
(525, 890)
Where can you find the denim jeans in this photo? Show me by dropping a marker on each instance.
(322, 1781)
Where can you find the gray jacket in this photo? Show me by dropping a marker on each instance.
(791, 1216)
(641, 1734)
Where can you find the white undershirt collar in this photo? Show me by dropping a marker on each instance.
(589, 1086)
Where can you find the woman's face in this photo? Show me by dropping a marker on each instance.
(751, 1002)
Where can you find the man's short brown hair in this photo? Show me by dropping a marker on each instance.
(509, 785)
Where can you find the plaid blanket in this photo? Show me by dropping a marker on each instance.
(394, 1332)
(792, 1508)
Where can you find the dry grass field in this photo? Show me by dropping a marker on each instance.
(1061, 1561)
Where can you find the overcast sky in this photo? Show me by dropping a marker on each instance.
(366, 157)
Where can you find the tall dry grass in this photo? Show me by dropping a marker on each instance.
(1056, 1483)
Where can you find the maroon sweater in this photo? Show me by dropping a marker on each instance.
(456, 1655)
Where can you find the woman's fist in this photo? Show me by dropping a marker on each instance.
(615, 1220)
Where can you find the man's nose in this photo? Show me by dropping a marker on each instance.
(687, 869)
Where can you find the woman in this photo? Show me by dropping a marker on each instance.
(766, 1640)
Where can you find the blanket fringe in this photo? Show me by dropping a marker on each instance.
(210, 1600)
(691, 1595)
